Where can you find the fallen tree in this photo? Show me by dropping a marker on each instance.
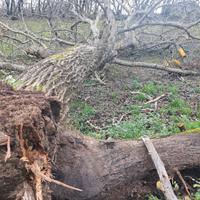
(102, 169)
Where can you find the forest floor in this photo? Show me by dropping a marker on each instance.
(121, 107)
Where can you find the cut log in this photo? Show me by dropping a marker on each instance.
(103, 169)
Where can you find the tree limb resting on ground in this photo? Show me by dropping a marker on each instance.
(12, 67)
(155, 66)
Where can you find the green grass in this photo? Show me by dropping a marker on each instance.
(141, 97)
(136, 84)
(80, 112)
(162, 122)
(197, 195)
(152, 197)
(137, 126)
(114, 96)
(89, 82)
(152, 88)
(177, 106)
(197, 90)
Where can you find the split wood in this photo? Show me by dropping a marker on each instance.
(159, 165)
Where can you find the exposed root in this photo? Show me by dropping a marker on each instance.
(37, 163)
(40, 175)
(5, 140)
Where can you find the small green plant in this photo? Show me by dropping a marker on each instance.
(135, 109)
(89, 82)
(141, 97)
(152, 197)
(114, 95)
(80, 112)
(136, 85)
(152, 88)
(197, 195)
(179, 106)
(172, 89)
(197, 90)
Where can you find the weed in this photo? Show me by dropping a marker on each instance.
(178, 106)
(197, 90)
(114, 96)
(135, 109)
(80, 112)
(140, 124)
(89, 82)
(136, 84)
(197, 195)
(152, 88)
(152, 197)
(141, 97)
(172, 89)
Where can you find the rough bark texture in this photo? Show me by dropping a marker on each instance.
(32, 116)
(120, 169)
(103, 169)
(61, 74)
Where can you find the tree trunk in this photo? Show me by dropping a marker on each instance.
(103, 169)
(119, 169)
(61, 74)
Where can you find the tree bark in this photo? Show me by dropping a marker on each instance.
(156, 67)
(61, 74)
(120, 169)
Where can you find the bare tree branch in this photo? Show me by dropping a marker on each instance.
(155, 66)
(12, 67)
(6, 27)
(170, 24)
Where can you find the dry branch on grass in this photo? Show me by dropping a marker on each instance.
(155, 66)
(11, 66)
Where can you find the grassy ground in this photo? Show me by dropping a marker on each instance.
(121, 110)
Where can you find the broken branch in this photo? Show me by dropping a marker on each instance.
(159, 165)
(155, 66)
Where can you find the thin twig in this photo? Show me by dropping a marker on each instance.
(99, 79)
(183, 182)
(156, 99)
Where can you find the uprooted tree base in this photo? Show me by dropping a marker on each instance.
(103, 169)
